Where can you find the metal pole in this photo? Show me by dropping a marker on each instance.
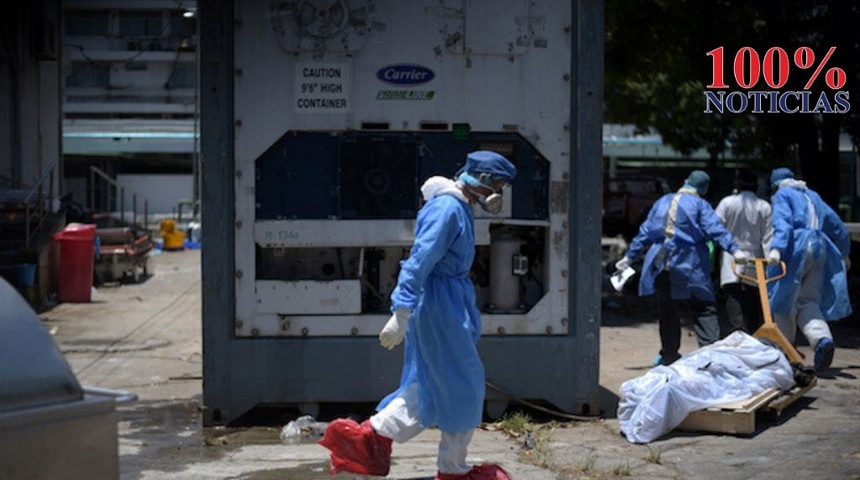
(584, 194)
(92, 192)
(120, 396)
(195, 161)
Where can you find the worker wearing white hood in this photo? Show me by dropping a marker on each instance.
(434, 309)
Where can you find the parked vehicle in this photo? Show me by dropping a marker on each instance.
(627, 200)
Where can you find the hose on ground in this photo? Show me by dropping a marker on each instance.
(568, 416)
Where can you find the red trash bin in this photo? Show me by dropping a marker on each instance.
(77, 261)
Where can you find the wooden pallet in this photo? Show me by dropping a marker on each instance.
(782, 402)
(739, 418)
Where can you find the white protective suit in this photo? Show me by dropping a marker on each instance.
(748, 218)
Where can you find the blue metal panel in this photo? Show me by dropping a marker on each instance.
(363, 175)
(272, 372)
(297, 177)
(377, 175)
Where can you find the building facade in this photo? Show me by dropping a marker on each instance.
(130, 100)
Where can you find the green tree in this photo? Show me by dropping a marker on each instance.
(657, 69)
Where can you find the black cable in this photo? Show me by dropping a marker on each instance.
(556, 413)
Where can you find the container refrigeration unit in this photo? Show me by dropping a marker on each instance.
(321, 120)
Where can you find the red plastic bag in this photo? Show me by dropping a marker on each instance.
(357, 448)
(478, 472)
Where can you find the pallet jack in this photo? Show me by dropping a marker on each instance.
(769, 332)
(740, 417)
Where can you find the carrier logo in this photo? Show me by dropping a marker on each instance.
(405, 74)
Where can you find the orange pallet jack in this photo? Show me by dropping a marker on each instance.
(769, 331)
(740, 417)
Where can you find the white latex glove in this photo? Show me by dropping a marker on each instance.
(623, 263)
(773, 257)
(395, 328)
(741, 257)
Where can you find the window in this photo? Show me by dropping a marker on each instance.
(88, 23)
(140, 24)
(88, 74)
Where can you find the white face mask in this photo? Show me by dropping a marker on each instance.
(491, 203)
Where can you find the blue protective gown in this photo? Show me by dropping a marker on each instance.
(796, 231)
(686, 252)
(442, 333)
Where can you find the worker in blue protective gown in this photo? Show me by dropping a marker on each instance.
(814, 244)
(677, 266)
(434, 310)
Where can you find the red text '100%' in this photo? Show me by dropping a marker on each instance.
(774, 67)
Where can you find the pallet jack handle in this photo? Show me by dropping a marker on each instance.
(769, 330)
(761, 277)
(761, 280)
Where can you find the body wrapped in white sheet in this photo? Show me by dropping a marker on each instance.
(732, 369)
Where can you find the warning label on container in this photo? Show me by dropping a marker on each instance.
(322, 88)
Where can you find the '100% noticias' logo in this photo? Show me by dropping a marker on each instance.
(774, 69)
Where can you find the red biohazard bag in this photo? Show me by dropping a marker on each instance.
(478, 472)
(357, 448)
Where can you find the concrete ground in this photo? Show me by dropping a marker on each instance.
(145, 338)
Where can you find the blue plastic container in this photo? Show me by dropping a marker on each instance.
(25, 274)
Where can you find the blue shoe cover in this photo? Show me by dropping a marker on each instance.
(824, 354)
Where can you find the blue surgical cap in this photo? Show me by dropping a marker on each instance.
(486, 161)
(780, 174)
(698, 180)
